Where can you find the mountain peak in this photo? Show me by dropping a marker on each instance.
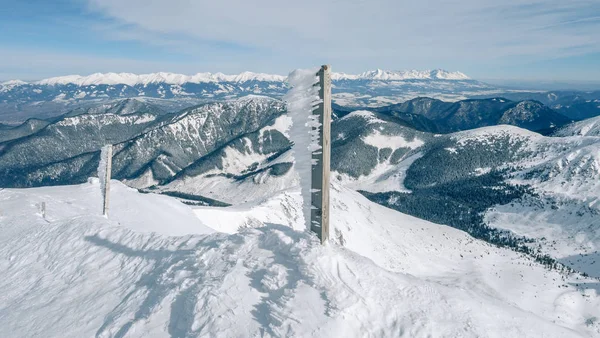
(8, 85)
(386, 75)
(160, 77)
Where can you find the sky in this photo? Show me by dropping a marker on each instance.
(520, 40)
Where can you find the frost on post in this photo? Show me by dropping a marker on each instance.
(302, 99)
(104, 168)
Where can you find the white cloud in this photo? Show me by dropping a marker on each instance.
(483, 38)
(407, 31)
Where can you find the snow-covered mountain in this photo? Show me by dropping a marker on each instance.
(252, 270)
(577, 105)
(166, 78)
(481, 180)
(433, 115)
(147, 142)
(384, 75)
(21, 100)
(180, 79)
(588, 127)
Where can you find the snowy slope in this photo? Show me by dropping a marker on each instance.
(81, 275)
(405, 244)
(588, 127)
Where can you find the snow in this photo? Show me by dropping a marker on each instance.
(154, 270)
(487, 134)
(144, 118)
(236, 162)
(587, 127)
(13, 83)
(384, 75)
(383, 178)
(105, 119)
(168, 78)
(564, 175)
(9, 85)
(482, 171)
(60, 97)
(381, 141)
(301, 101)
(565, 231)
(80, 95)
(366, 115)
(145, 213)
(282, 124)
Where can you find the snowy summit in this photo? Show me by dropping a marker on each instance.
(385, 75)
(168, 78)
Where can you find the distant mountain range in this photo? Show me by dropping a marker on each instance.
(385, 75)
(180, 79)
(21, 100)
(52, 97)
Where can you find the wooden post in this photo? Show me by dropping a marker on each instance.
(106, 188)
(319, 213)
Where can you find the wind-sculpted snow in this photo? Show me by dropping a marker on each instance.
(76, 274)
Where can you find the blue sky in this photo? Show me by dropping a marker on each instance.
(525, 40)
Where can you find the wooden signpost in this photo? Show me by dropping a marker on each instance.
(106, 182)
(319, 214)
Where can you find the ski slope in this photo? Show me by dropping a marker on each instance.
(157, 268)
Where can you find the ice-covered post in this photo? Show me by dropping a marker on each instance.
(104, 173)
(309, 106)
(319, 215)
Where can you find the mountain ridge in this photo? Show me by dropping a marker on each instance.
(132, 79)
(444, 117)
